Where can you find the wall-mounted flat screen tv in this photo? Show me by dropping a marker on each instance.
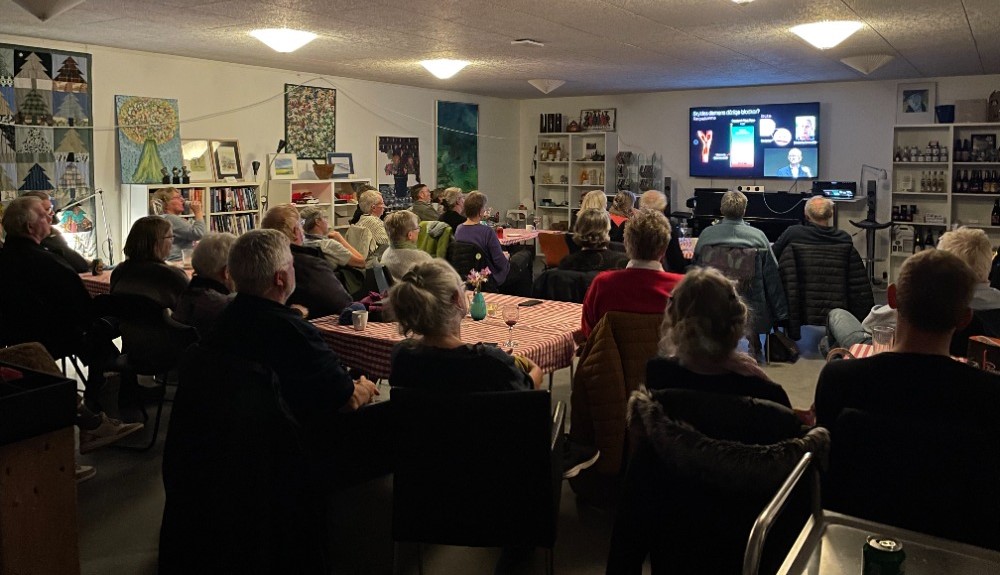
(756, 141)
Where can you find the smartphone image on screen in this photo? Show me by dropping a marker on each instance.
(741, 145)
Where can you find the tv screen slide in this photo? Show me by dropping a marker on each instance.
(749, 142)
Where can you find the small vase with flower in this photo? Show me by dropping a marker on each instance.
(476, 278)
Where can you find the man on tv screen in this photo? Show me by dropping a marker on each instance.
(794, 169)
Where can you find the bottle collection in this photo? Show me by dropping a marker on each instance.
(976, 182)
(932, 182)
(932, 153)
(982, 151)
(923, 243)
(552, 152)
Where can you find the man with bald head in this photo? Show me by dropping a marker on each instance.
(818, 229)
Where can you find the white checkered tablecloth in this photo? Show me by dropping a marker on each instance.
(544, 334)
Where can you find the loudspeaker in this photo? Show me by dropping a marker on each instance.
(666, 186)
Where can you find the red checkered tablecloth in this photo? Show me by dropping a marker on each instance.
(97, 285)
(544, 334)
(514, 236)
(860, 350)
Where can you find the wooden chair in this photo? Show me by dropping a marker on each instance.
(553, 246)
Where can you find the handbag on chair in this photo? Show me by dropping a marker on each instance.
(781, 348)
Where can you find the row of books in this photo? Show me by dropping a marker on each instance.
(234, 223)
(234, 199)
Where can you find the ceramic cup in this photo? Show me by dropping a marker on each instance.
(360, 320)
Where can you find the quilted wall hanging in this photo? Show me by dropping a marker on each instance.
(45, 134)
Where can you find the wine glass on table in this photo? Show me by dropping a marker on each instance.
(511, 313)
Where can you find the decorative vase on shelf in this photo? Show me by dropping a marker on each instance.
(478, 308)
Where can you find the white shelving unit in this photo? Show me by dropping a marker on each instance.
(330, 194)
(228, 206)
(564, 180)
(958, 209)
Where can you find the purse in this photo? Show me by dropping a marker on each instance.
(781, 348)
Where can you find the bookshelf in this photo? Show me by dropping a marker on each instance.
(336, 196)
(228, 206)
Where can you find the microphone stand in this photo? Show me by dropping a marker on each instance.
(104, 216)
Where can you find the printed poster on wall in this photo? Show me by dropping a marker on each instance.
(398, 161)
(45, 135)
(457, 145)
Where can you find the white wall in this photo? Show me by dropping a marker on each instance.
(365, 110)
(857, 119)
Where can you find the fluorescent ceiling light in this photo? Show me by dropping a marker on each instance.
(444, 68)
(283, 39)
(825, 35)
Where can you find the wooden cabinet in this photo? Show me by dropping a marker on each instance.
(934, 184)
(336, 196)
(567, 169)
(228, 206)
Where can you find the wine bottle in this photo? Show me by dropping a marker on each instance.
(918, 243)
(929, 243)
(923, 182)
(995, 216)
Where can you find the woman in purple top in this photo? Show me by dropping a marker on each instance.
(512, 273)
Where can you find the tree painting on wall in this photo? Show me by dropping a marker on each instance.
(457, 145)
(149, 138)
(44, 96)
(310, 121)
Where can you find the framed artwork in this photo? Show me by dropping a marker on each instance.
(342, 162)
(281, 166)
(397, 161)
(310, 121)
(457, 145)
(598, 120)
(983, 144)
(915, 103)
(198, 158)
(46, 143)
(227, 159)
(149, 138)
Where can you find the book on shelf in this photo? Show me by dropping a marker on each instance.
(233, 223)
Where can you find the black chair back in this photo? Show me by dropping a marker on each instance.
(239, 494)
(563, 285)
(151, 340)
(476, 469)
(465, 257)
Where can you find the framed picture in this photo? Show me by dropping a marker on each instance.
(198, 158)
(281, 166)
(915, 103)
(227, 159)
(398, 162)
(342, 162)
(982, 145)
(598, 120)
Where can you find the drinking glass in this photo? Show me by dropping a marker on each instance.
(511, 313)
(883, 338)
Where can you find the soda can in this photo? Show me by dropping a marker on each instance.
(883, 556)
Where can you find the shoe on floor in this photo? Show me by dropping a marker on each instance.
(577, 457)
(85, 472)
(109, 431)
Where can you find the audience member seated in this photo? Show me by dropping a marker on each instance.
(897, 415)
(732, 230)
(674, 260)
(818, 228)
(512, 273)
(210, 290)
(318, 288)
(704, 321)
(591, 235)
(403, 228)
(344, 258)
(43, 299)
(310, 387)
(56, 243)
(357, 210)
(973, 247)
(372, 207)
(643, 286)
(169, 202)
(145, 271)
(622, 208)
(592, 200)
(420, 194)
(429, 302)
(453, 202)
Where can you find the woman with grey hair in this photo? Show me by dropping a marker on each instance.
(622, 208)
(403, 228)
(429, 303)
(591, 234)
(453, 202)
(210, 290)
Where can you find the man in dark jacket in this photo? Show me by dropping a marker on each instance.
(818, 228)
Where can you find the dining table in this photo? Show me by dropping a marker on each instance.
(545, 333)
(99, 284)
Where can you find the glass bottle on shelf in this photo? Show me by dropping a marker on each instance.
(923, 182)
(995, 215)
(918, 242)
(929, 243)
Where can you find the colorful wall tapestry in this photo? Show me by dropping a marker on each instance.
(457, 145)
(149, 138)
(45, 135)
(310, 121)
(398, 159)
